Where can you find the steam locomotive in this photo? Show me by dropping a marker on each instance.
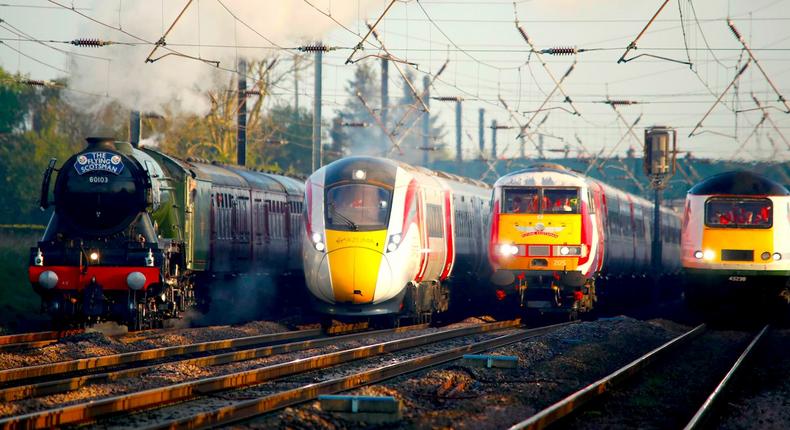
(136, 235)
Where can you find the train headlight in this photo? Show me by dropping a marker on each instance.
(508, 249)
(777, 256)
(567, 251)
(393, 243)
(94, 256)
(48, 279)
(359, 175)
(39, 259)
(765, 255)
(318, 242)
(135, 280)
(698, 255)
(708, 254)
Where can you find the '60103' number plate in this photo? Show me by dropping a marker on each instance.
(737, 279)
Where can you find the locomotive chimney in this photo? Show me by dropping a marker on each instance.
(134, 128)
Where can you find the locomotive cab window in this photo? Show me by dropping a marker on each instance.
(561, 200)
(723, 212)
(357, 207)
(541, 200)
(521, 200)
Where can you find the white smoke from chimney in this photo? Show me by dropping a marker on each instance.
(182, 82)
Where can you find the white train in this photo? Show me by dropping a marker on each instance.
(384, 238)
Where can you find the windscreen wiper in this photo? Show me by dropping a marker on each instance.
(344, 218)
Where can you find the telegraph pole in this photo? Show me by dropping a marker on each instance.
(426, 121)
(458, 155)
(317, 149)
(494, 129)
(385, 91)
(481, 129)
(241, 117)
(296, 84)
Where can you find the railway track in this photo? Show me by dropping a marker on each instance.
(611, 394)
(34, 339)
(139, 362)
(211, 388)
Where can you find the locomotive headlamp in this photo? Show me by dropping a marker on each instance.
(708, 254)
(318, 242)
(359, 175)
(149, 258)
(393, 242)
(94, 256)
(698, 255)
(568, 251)
(508, 249)
(765, 255)
(39, 259)
(777, 256)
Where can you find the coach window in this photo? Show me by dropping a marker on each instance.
(723, 212)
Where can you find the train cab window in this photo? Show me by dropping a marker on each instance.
(722, 212)
(521, 200)
(561, 200)
(357, 207)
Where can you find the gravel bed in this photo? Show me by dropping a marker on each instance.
(93, 344)
(225, 398)
(175, 372)
(760, 397)
(463, 397)
(667, 394)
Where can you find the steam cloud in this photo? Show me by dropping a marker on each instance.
(179, 81)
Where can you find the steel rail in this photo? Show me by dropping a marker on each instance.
(22, 338)
(160, 396)
(91, 363)
(253, 407)
(572, 402)
(699, 418)
(70, 384)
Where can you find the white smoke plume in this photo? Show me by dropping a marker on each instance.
(180, 81)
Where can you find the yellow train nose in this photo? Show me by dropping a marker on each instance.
(355, 272)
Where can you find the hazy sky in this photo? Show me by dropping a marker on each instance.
(488, 59)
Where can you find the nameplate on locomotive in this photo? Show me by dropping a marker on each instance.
(99, 161)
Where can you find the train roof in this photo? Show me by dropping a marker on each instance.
(542, 167)
(740, 182)
(388, 167)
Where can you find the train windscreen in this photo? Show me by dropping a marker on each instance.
(357, 207)
(532, 200)
(738, 213)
